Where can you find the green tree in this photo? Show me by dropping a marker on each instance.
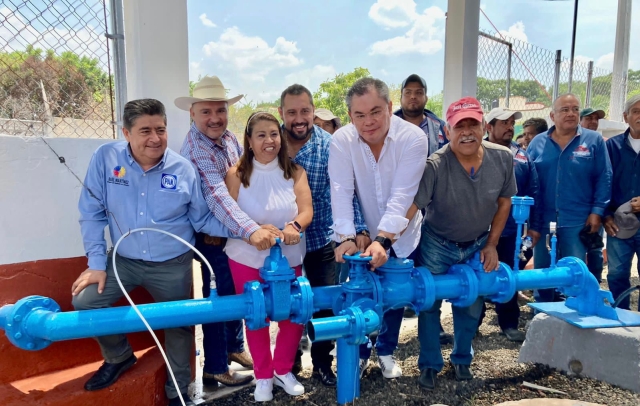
(331, 93)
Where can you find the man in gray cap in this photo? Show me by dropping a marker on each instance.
(589, 118)
(621, 217)
(500, 127)
(326, 120)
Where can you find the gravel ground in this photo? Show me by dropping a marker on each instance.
(498, 377)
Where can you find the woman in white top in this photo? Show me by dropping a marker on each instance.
(271, 189)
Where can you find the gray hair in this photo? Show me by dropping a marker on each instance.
(363, 86)
(630, 102)
(565, 95)
(142, 107)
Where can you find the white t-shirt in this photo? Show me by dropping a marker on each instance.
(269, 199)
(635, 144)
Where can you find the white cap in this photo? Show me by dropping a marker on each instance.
(502, 114)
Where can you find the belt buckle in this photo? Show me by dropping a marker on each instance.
(215, 241)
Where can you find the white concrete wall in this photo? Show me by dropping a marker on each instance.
(157, 53)
(39, 197)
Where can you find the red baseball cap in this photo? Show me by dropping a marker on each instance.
(467, 107)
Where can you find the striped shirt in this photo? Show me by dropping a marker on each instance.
(213, 161)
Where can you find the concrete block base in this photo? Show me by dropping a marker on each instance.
(609, 354)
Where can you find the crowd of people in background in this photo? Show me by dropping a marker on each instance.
(379, 185)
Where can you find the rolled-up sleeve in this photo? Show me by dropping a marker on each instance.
(405, 186)
(93, 214)
(342, 181)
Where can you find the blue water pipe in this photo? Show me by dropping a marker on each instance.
(358, 305)
(520, 208)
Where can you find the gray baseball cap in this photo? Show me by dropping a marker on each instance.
(500, 113)
(627, 221)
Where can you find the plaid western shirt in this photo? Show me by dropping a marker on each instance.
(213, 161)
(314, 158)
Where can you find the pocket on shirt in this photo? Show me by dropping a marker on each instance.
(169, 205)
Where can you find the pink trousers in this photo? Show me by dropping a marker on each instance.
(259, 341)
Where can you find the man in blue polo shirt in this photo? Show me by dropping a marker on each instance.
(623, 244)
(575, 183)
(500, 126)
(139, 184)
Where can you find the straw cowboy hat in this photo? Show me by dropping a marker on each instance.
(209, 88)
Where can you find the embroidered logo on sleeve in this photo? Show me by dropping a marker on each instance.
(169, 181)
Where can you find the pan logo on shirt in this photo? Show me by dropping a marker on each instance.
(169, 181)
(118, 176)
(581, 151)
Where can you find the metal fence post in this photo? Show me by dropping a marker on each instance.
(587, 101)
(508, 86)
(556, 78)
(120, 67)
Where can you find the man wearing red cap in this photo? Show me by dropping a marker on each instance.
(482, 173)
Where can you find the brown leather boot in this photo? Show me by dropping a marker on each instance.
(229, 378)
(242, 358)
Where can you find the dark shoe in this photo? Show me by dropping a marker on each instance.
(176, 401)
(463, 372)
(108, 374)
(229, 378)
(242, 358)
(445, 338)
(428, 378)
(326, 376)
(297, 364)
(513, 334)
(409, 313)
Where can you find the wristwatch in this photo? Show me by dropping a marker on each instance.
(384, 241)
(295, 225)
(347, 237)
(365, 233)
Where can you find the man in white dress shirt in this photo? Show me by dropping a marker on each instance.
(380, 158)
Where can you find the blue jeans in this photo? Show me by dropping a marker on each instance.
(219, 339)
(595, 261)
(569, 245)
(342, 273)
(620, 255)
(438, 255)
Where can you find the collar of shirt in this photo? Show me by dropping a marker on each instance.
(225, 138)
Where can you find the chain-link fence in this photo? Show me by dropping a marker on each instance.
(55, 69)
(524, 77)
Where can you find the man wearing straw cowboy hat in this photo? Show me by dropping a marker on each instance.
(213, 150)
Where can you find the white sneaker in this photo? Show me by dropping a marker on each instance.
(264, 390)
(389, 367)
(289, 383)
(363, 364)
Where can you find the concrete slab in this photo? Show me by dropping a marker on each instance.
(548, 402)
(609, 354)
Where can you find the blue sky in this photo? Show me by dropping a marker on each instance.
(258, 48)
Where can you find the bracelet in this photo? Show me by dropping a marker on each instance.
(347, 237)
(365, 233)
(295, 225)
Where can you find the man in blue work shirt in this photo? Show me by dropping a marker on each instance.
(500, 126)
(413, 101)
(575, 183)
(308, 146)
(624, 152)
(137, 184)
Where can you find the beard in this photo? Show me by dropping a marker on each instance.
(413, 112)
(297, 137)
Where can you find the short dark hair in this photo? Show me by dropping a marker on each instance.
(296, 90)
(142, 107)
(519, 136)
(364, 86)
(539, 123)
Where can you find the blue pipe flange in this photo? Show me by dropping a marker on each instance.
(469, 281)
(361, 324)
(14, 328)
(374, 288)
(507, 282)
(579, 275)
(302, 307)
(256, 311)
(425, 288)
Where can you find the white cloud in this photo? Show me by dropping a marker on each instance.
(516, 31)
(424, 36)
(311, 78)
(393, 13)
(84, 41)
(252, 57)
(605, 61)
(384, 72)
(205, 21)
